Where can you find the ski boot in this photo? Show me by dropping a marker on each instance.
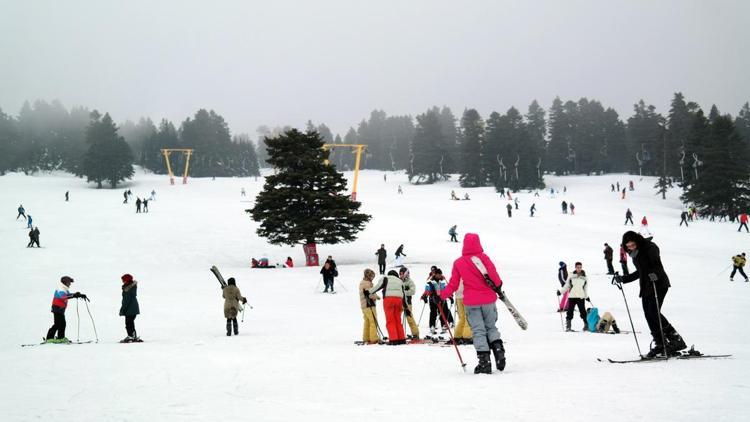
(128, 339)
(657, 350)
(614, 328)
(499, 351)
(675, 343)
(567, 325)
(236, 327)
(484, 366)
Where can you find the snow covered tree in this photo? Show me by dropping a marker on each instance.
(472, 137)
(109, 157)
(305, 201)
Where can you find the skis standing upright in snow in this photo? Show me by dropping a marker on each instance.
(503, 298)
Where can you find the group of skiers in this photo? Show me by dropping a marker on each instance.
(33, 230)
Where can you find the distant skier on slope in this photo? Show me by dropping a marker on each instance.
(628, 217)
(479, 302)
(399, 254)
(532, 210)
(34, 238)
(232, 298)
(129, 307)
(329, 272)
(381, 254)
(452, 232)
(509, 207)
(608, 256)
(56, 333)
(738, 261)
(564, 206)
(743, 222)
(684, 218)
(644, 226)
(21, 212)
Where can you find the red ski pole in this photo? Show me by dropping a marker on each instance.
(453, 340)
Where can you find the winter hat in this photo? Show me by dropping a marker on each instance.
(562, 264)
(231, 281)
(126, 278)
(65, 279)
(393, 273)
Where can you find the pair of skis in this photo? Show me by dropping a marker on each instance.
(690, 354)
(520, 320)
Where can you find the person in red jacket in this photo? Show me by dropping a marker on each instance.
(289, 262)
(644, 226)
(479, 302)
(743, 222)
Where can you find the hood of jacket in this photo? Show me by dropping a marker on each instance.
(472, 246)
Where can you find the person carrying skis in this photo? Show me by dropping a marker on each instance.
(381, 254)
(608, 256)
(509, 207)
(628, 217)
(738, 261)
(409, 290)
(479, 302)
(562, 277)
(21, 212)
(564, 207)
(743, 222)
(577, 286)
(232, 298)
(393, 305)
(684, 218)
(399, 254)
(654, 285)
(624, 261)
(56, 334)
(329, 272)
(369, 311)
(129, 307)
(644, 226)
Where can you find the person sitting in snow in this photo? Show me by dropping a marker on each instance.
(289, 263)
(605, 323)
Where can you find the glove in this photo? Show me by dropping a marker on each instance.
(558, 293)
(244, 300)
(83, 296)
(652, 277)
(407, 312)
(588, 300)
(618, 278)
(424, 299)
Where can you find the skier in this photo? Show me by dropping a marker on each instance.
(623, 193)
(129, 308)
(738, 261)
(613, 187)
(385, 179)
(509, 197)
(34, 238)
(59, 304)
(509, 207)
(624, 261)
(630, 184)
(145, 205)
(381, 253)
(453, 234)
(21, 212)
(532, 210)
(684, 218)
(67, 195)
(369, 311)
(564, 207)
(138, 205)
(399, 254)
(562, 277)
(644, 226)
(572, 209)
(409, 290)
(604, 323)
(435, 284)
(28, 221)
(453, 196)
(608, 252)
(329, 272)
(628, 217)
(654, 285)
(232, 297)
(577, 286)
(466, 197)
(618, 186)
(125, 195)
(153, 195)
(393, 305)
(289, 263)
(242, 192)
(479, 302)
(515, 202)
(743, 222)
(400, 191)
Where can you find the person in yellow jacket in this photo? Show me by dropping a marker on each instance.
(409, 289)
(463, 329)
(369, 313)
(738, 261)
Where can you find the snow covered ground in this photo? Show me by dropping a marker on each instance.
(294, 357)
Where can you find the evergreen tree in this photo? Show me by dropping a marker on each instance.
(208, 133)
(136, 135)
(8, 143)
(643, 132)
(427, 150)
(246, 156)
(305, 201)
(109, 157)
(679, 122)
(723, 183)
(472, 137)
(536, 126)
(347, 160)
(560, 136)
(491, 154)
(743, 123)
(164, 137)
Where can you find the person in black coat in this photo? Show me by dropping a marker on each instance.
(381, 253)
(654, 284)
(129, 307)
(329, 271)
(608, 256)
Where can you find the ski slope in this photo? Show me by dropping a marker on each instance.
(295, 358)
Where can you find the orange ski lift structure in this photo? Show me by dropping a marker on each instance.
(358, 148)
(187, 152)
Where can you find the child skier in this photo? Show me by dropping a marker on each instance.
(435, 284)
(576, 284)
(369, 311)
(129, 308)
(644, 226)
(59, 304)
(232, 297)
(479, 302)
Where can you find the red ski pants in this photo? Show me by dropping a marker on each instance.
(393, 308)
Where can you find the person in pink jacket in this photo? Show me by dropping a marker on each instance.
(479, 302)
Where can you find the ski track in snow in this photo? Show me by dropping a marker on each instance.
(294, 356)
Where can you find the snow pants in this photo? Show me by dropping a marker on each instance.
(736, 268)
(20, 214)
(328, 283)
(574, 302)
(413, 327)
(58, 326)
(610, 268)
(453, 238)
(393, 307)
(369, 327)
(463, 330)
(130, 325)
(381, 267)
(628, 219)
(482, 319)
(743, 225)
(652, 312)
(624, 265)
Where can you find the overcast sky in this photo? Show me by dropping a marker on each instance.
(283, 62)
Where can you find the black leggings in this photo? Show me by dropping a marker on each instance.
(736, 268)
(381, 268)
(652, 312)
(58, 327)
(572, 303)
(130, 325)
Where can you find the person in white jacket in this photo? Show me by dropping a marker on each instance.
(576, 285)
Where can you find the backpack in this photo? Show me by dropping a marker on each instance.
(592, 318)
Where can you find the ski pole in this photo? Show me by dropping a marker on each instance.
(92, 321)
(453, 340)
(619, 286)
(317, 286)
(343, 287)
(661, 328)
(421, 313)
(375, 318)
(724, 270)
(78, 319)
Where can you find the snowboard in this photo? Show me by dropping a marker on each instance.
(520, 320)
